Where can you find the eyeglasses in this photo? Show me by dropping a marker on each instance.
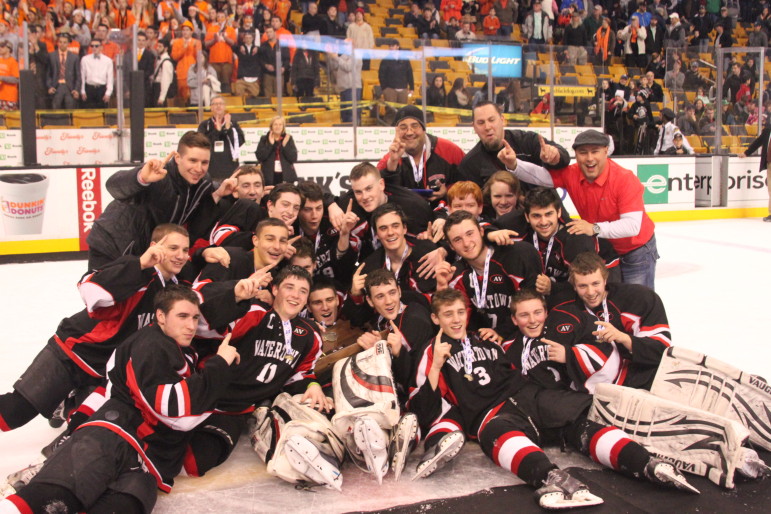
(95, 46)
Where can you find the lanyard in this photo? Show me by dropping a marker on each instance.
(287, 326)
(404, 256)
(480, 300)
(318, 238)
(382, 325)
(418, 169)
(548, 248)
(605, 315)
(468, 356)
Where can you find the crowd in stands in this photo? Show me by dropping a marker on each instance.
(191, 51)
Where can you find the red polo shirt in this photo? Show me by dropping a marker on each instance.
(617, 191)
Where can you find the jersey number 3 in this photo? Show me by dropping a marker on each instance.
(484, 378)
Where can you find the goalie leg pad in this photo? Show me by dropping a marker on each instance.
(702, 382)
(304, 454)
(695, 441)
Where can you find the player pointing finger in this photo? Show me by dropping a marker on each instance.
(508, 156)
(227, 352)
(394, 339)
(556, 351)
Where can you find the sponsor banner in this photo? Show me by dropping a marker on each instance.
(578, 91)
(746, 183)
(10, 148)
(669, 184)
(62, 147)
(89, 201)
(506, 59)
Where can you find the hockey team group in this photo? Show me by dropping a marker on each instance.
(445, 298)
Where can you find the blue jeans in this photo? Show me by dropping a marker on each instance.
(639, 265)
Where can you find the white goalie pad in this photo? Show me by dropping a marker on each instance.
(697, 380)
(363, 385)
(288, 418)
(694, 440)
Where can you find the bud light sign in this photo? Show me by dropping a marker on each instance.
(506, 59)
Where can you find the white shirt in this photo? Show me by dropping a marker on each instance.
(96, 71)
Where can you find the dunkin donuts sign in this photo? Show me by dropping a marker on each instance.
(22, 202)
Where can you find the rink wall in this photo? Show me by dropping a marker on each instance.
(57, 216)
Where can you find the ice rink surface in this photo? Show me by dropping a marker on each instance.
(712, 276)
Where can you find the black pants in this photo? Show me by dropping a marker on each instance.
(95, 97)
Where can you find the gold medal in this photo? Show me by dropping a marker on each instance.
(469, 377)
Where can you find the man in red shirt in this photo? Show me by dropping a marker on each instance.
(608, 198)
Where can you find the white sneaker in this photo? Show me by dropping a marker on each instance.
(562, 491)
(402, 442)
(372, 441)
(306, 458)
(440, 454)
(662, 472)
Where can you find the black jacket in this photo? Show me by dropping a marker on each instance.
(223, 163)
(762, 142)
(266, 155)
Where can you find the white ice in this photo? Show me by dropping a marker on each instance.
(713, 277)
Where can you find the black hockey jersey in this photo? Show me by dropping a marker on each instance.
(325, 248)
(634, 309)
(156, 398)
(511, 268)
(473, 383)
(531, 357)
(119, 301)
(275, 356)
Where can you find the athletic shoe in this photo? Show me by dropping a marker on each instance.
(767, 218)
(318, 467)
(440, 454)
(562, 491)
(402, 442)
(16, 481)
(752, 465)
(373, 443)
(662, 472)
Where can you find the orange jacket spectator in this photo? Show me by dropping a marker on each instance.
(269, 4)
(283, 35)
(9, 91)
(450, 9)
(282, 8)
(491, 24)
(123, 20)
(220, 50)
(184, 50)
(166, 10)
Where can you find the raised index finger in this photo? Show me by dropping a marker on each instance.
(542, 141)
(226, 340)
(168, 157)
(439, 335)
(163, 240)
(358, 271)
(393, 326)
(266, 268)
(350, 206)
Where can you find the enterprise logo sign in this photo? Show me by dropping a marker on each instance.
(655, 179)
(506, 59)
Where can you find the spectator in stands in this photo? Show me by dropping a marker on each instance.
(459, 97)
(281, 9)
(277, 153)
(676, 33)
(144, 13)
(654, 42)
(657, 66)
(411, 18)
(678, 146)
(722, 39)
(510, 100)
(732, 83)
(698, 107)
(108, 48)
(701, 26)
(79, 28)
(220, 39)
(203, 83)
(305, 73)
(168, 9)
(101, 14)
(491, 24)
(470, 10)
(427, 27)
(538, 26)
(642, 118)
(267, 54)
(604, 43)
(758, 37)
(687, 122)
(226, 139)
(6, 34)
(667, 129)
(264, 22)
(122, 16)
(508, 13)
(576, 40)
(185, 50)
(634, 38)
(331, 26)
(248, 77)
(642, 14)
(726, 20)
(63, 79)
(465, 33)
(739, 112)
(347, 73)
(436, 94)
(451, 29)
(97, 77)
(152, 38)
(450, 9)
(38, 63)
(708, 122)
(361, 36)
(9, 78)
(693, 79)
(674, 78)
(750, 71)
(247, 25)
(312, 22)
(163, 75)
(625, 87)
(396, 79)
(593, 21)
